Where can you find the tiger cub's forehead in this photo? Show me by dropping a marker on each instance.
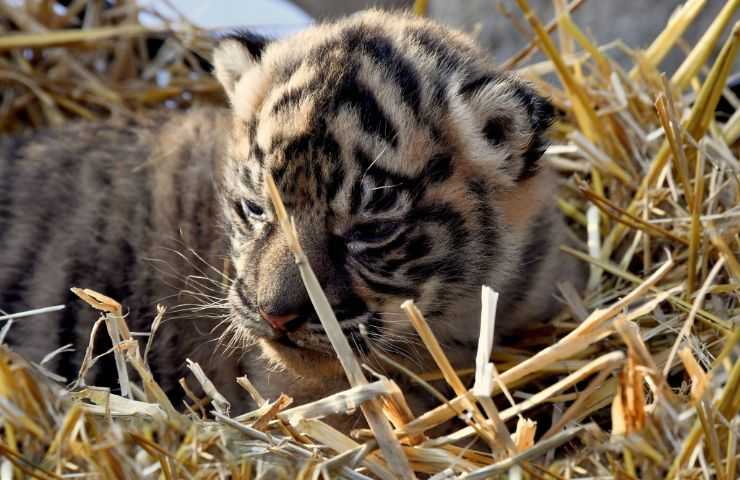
(349, 109)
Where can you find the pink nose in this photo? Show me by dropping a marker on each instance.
(278, 322)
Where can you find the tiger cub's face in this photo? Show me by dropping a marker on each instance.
(396, 147)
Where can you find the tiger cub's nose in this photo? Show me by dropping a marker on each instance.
(281, 322)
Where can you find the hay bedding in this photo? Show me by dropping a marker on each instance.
(639, 378)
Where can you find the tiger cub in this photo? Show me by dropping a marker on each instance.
(408, 162)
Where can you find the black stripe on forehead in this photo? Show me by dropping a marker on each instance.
(289, 99)
(338, 88)
(309, 154)
(336, 85)
(293, 96)
(350, 92)
(438, 47)
(381, 50)
(448, 58)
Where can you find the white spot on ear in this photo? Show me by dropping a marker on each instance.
(242, 77)
(231, 60)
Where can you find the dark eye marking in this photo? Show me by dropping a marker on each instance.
(247, 209)
(373, 232)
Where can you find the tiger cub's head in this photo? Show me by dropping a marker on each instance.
(410, 167)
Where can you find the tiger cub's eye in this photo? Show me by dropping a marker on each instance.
(249, 209)
(373, 232)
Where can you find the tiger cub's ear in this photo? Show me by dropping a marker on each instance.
(508, 121)
(234, 56)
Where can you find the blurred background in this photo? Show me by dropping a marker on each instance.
(498, 24)
(64, 60)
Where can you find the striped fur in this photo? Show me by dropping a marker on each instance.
(111, 207)
(410, 165)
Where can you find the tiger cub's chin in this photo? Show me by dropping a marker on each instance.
(299, 361)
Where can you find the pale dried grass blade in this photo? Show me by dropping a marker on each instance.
(339, 442)
(539, 449)
(346, 401)
(247, 385)
(699, 377)
(54, 38)
(30, 313)
(699, 54)
(677, 24)
(689, 323)
(219, 402)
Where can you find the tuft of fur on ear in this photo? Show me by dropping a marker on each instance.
(234, 55)
(505, 121)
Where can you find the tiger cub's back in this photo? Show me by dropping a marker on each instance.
(113, 207)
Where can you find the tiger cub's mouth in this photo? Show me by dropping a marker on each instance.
(301, 333)
(302, 338)
(306, 336)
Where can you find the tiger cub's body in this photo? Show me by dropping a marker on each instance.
(410, 166)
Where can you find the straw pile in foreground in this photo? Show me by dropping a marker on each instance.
(639, 378)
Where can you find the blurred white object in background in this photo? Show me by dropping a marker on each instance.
(273, 18)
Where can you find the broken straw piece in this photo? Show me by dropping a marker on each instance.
(484, 369)
(219, 401)
(489, 301)
(339, 402)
